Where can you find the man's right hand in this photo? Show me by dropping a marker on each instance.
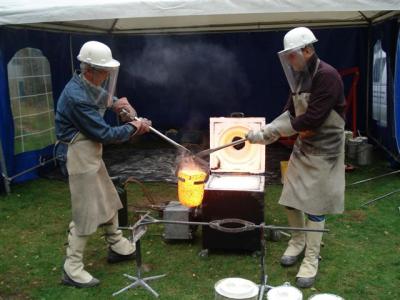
(142, 126)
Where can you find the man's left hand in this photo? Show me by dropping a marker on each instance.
(142, 126)
(255, 137)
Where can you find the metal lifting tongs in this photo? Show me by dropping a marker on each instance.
(200, 154)
(124, 113)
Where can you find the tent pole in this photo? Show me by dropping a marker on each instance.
(70, 55)
(4, 170)
(369, 61)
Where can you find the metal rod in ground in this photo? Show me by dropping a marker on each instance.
(41, 164)
(373, 178)
(263, 275)
(379, 198)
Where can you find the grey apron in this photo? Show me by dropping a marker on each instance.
(315, 177)
(94, 198)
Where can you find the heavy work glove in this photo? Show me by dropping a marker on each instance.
(271, 132)
(121, 104)
(142, 126)
(267, 135)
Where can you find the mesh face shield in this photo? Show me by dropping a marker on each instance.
(100, 84)
(296, 70)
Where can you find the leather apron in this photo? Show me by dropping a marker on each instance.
(315, 177)
(94, 198)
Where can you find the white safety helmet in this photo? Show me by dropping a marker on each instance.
(298, 37)
(292, 58)
(98, 55)
(101, 85)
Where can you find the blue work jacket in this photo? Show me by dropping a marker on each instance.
(76, 112)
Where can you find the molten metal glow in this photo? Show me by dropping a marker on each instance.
(236, 182)
(191, 180)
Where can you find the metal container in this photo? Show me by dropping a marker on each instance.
(191, 186)
(284, 292)
(364, 154)
(235, 288)
(175, 211)
(284, 166)
(352, 147)
(325, 297)
(123, 212)
(235, 188)
(233, 196)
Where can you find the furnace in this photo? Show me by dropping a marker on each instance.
(235, 188)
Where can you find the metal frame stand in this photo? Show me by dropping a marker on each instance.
(139, 229)
(264, 287)
(138, 280)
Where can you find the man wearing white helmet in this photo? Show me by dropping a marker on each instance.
(81, 129)
(314, 181)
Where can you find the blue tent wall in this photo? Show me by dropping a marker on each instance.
(180, 80)
(385, 136)
(55, 46)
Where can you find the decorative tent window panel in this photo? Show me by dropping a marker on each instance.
(31, 98)
(379, 85)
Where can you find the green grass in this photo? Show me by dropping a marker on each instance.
(360, 258)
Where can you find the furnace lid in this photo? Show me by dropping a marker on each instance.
(247, 158)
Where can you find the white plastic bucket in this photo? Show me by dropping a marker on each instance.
(284, 292)
(235, 288)
(325, 297)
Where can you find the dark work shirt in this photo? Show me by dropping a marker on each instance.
(326, 93)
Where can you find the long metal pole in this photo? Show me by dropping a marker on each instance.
(124, 112)
(179, 146)
(209, 151)
(379, 198)
(373, 178)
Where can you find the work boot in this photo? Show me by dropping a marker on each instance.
(66, 280)
(74, 273)
(113, 257)
(309, 267)
(297, 242)
(120, 248)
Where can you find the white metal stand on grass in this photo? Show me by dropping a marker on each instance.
(137, 232)
(139, 229)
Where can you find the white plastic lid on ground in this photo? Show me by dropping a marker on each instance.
(236, 288)
(325, 297)
(284, 292)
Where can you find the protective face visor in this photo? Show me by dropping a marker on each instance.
(296, 70)
(100, 84)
